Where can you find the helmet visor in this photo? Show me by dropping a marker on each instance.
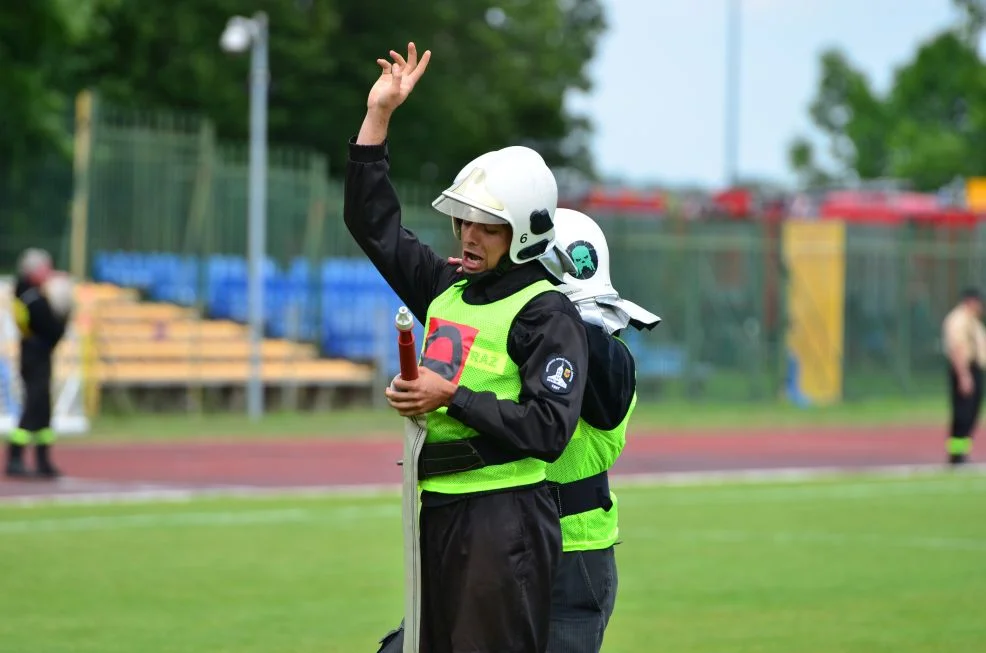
(462, 211)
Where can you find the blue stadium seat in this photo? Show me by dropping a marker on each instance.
(358, 308)
(176, 279)
(343, 304)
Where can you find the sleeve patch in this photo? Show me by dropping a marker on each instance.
(558, 375)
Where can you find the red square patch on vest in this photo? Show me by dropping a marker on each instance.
(447, 346)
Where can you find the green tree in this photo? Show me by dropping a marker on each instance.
(801, 158)
(499, 76)
(939, 105)
(499, 73)
(929, 128)
(853, 119)
(972, 18)
(40, 60)
(39, 57)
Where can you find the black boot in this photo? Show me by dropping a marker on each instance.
(956, 459)
(393, 642)
(45, 468)
(15, 461)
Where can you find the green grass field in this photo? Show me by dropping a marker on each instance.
(836, 566)
(667, 416)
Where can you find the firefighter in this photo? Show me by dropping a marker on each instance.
(584, 593)
(41, 329)
(504, 356)
(585, 585)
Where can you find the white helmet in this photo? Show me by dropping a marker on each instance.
(580, 261)
(512, 186)
(33, 260)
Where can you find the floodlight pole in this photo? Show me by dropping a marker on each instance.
(257, 220)
(239, 34)
(732, 104)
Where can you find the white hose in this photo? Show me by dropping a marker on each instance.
(414, 438)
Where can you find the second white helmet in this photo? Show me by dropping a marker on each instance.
(514, 186)
(580, 261)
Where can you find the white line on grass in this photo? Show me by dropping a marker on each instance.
(833, 539)
(145, 493)
(139, 494)
(798, 493)
(789, 474)
(334, 515)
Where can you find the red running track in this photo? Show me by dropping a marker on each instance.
(371, 460)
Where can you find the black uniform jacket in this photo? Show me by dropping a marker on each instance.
(44, 328)
(612, 380)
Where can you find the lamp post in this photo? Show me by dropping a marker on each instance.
(242, 33)
(733, 27)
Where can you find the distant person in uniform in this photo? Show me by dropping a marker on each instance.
(41, 320)
(964, 341)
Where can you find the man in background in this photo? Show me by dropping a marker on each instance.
(41, 328)
(964, 342)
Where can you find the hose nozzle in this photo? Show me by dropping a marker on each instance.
(404, 319)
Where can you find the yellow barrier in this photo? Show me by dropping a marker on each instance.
(815, 255)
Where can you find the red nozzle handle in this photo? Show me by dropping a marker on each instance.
(405, 345)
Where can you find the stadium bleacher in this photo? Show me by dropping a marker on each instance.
(162, 325)
(343, 305)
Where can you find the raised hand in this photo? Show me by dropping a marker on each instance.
(397, 79)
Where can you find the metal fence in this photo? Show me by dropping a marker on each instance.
(162, 182)
(900, 284)
(34, 209)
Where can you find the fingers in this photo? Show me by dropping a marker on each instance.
(398, 398)
(396, 56)
(412, 56)
(402, 410)
(405, 406)
(396, 74)
(413, 67)
(419, 69)
(402, 385)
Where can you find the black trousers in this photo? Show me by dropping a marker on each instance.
(488, 565)
(583, 601)
(36, 413)
(965, 408)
